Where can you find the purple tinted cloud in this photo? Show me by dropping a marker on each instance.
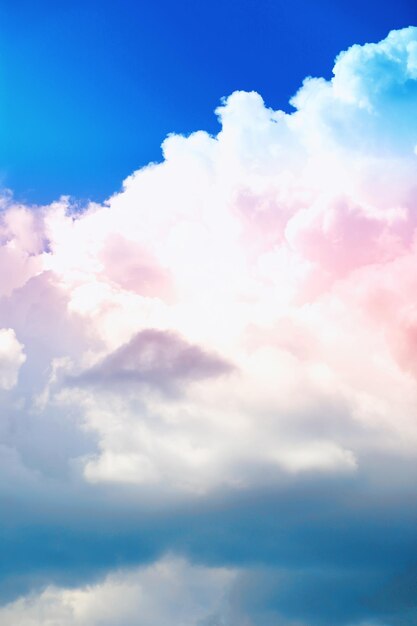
(160, 359)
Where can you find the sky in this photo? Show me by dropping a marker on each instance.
(91, 88)
(208, 325)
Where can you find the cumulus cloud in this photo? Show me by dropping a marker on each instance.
(168, 591)
(240, 316)
(285, 246)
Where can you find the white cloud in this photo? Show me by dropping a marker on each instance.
(170, 591)
(12, 358)
(285, 246)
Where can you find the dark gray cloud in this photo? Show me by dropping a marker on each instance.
(325, 552)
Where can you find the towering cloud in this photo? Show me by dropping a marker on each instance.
(241, 317)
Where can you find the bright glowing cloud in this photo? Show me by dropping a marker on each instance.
(285, 244)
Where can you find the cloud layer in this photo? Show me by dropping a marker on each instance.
(168, 591)
(239, 318)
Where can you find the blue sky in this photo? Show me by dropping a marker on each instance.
(91, 88)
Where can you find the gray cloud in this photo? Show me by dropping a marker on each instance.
(316, 552)
(159, 359)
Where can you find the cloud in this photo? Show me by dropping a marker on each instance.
(267, 245)
(155, 358)
(317, 553)
(236, 325)
(170, 590)
(371, 75)
(12, 357)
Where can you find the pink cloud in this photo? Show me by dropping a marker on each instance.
(284, 245)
